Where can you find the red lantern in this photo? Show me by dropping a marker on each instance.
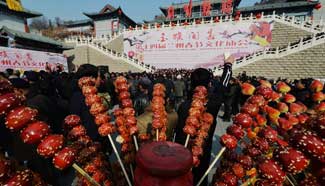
(216, 20)
(171, 12)
(158, 25)
(173, 24)
(237, 17)
(237, 12)
(258, 15)
(318, 6)
(198, 21)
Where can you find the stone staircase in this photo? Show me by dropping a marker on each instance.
(97, 54)
(302, 59)
(287, 32)
(309, 63)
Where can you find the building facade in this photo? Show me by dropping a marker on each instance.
(80, 27)
(110, 20)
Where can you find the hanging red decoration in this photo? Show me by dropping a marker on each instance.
(237, 12)
(237, 17)
(130, 28)
(318, 6)
(173, 24)
(226, 6)
(258, 15)
(158, 25)
(188, 9)
(145, 27)
(216, 20)
(198, 21)
(171, 12)
(206, 8)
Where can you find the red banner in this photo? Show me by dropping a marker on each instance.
(206, 8)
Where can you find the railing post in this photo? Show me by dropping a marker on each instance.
(251, 16)
(273, 15)
(283, 16)
(293, 20)
(262, 15)
(301, 42)
(313, 39)
(288, 47)
(277, 51)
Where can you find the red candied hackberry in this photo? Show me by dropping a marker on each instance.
(50, 145)
(64, 158)
(20, 117)
(35, 132)
(270, 170)
(292, 160)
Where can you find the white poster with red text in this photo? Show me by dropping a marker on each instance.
(20, 59)
(197, 46)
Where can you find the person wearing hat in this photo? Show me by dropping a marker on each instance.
(142, 99)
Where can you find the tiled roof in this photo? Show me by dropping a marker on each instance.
(27, 13)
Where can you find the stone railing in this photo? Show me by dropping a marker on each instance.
(115, 55)
(104, 39)
(308, 25)
(302, 44)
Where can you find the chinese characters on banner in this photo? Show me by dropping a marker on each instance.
(30, 60)
(196, 46)
(226, 6)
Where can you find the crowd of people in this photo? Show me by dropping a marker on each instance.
(56, 95)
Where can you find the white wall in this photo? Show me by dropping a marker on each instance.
(79, 29)
(103, 27)
(318, 14)
(12, 22)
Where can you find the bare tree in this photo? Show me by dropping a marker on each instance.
(40, 23)
(58, 21)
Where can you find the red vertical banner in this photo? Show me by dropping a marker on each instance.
(171, 12)
(206, 8)
(226, 6)
(188, 9)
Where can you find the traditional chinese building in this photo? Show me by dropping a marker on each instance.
(15, 19)
(301, 9)
(110, 20)
(80, 27)
(14, 31)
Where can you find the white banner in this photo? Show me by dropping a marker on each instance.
(30, 60)
(197, 46)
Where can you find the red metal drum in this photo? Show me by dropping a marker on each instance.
(163, 164)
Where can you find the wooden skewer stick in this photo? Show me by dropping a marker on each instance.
(157, 134)
(119, 160)
(131, 171)
(212, 165)
(135, 143)
(85, 174)
(289, 180)
(187, 140)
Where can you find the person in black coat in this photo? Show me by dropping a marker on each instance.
(202, 77)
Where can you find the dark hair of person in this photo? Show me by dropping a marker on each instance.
(200, 77)
(87, 70)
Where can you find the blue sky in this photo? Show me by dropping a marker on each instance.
(138, 10)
